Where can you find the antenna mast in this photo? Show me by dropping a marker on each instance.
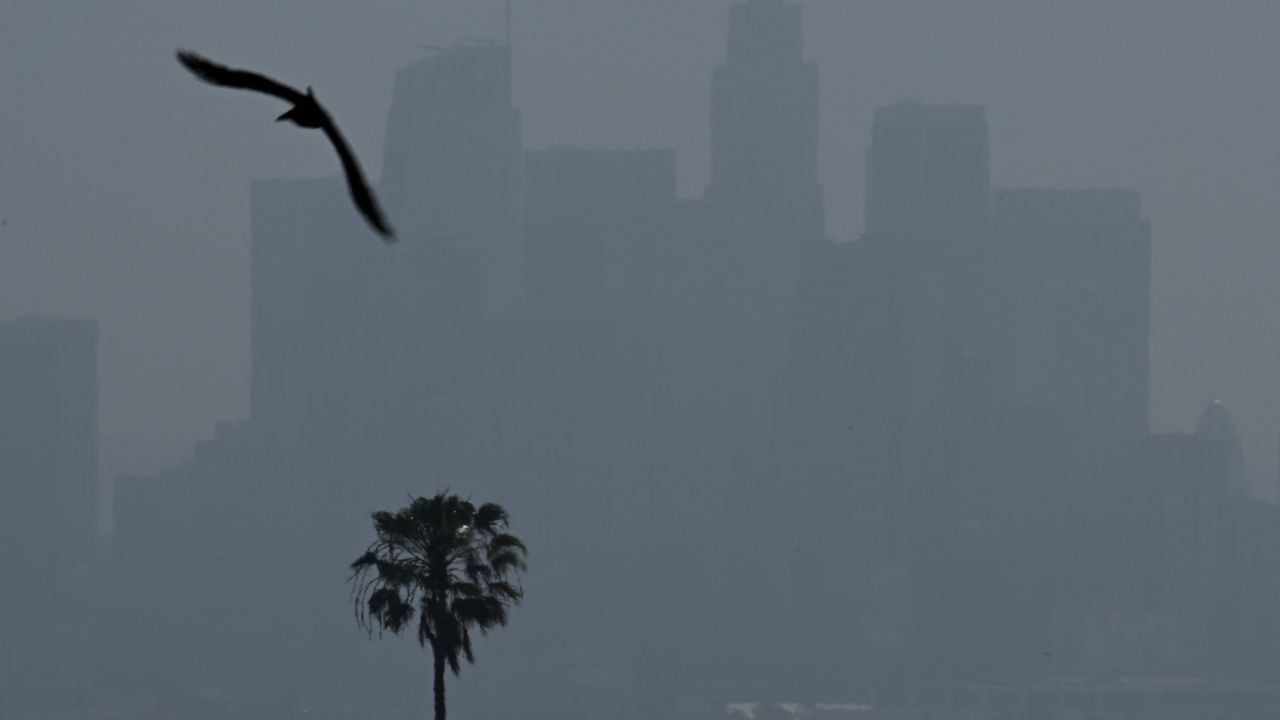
(511, 59)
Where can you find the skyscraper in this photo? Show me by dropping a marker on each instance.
(928, 175)
(767, 207)
(928, 182)
(764, 125)
(764, 194)
(1072, 273)
(452, 163)
(48, 451)
(1216, 427)
(48, 499)
(1068, 278)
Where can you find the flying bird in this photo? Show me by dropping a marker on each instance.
(306, 112)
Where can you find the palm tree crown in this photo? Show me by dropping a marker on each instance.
(445, 564)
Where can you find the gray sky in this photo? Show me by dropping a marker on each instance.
(125, 183)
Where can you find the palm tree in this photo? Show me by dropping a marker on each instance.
(446, 563)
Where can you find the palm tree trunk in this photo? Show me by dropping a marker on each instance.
(439, 684)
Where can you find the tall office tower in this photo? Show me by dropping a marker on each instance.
(1069, 280)
(767, 203)
(764, 191)
(48, 448)
(764, 125)
(48, 493)
(1072, 270)
(452, 179)
(766, 200)
(928, 182)
(452, 163)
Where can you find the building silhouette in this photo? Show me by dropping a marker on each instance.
(1071, 313)
(48, 503)
(451, 167)
(49, 432)
(764, 125)
(928, 183)
(1076, 282)
(1215, 426)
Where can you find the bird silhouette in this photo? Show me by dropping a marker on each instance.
(306, 112)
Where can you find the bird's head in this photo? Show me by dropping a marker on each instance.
(306, 113)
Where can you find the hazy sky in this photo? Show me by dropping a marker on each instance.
(124, 182)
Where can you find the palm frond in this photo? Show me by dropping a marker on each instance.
(491, 516)
(506, 541)
(466, 647)
(397, 573)
(392, 611)
(482, 612)
(506, 562)
(506, 592)
(467, 589)
(367, 559)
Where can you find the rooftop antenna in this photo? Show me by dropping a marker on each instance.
(508, 9)
(511, 60)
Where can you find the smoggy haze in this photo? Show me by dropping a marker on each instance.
(832, 351)
(125, 185)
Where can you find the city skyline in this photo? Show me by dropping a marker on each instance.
(753, 458)
(169, 381)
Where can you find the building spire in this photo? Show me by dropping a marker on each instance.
(511, 59)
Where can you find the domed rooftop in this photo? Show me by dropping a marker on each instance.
(1216, 424)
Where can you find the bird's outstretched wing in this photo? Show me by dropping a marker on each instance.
(212, 72)
(360, 192)
(216, 74)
